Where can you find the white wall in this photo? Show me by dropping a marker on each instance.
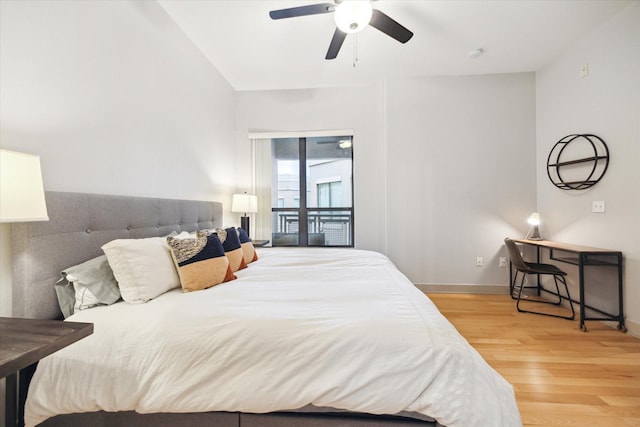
(444, 167)
(115, 99)
(605, 103)
(461, 174)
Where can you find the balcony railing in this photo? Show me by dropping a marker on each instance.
(333, 228)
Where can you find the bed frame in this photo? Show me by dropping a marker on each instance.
(79, 225)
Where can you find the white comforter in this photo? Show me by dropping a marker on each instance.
(341, 328)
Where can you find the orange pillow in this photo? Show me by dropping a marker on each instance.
(201, 261)
(232, 247)
(248, 250)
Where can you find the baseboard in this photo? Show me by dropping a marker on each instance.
(633, 328)
(456, 288)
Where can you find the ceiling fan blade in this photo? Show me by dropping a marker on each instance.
(292, 12)
(336, 44)
(390, 27)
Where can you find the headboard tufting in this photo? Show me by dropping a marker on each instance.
(79, 225)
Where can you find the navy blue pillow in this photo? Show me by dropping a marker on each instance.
(248, 250)
(232, 248)
(244, 237)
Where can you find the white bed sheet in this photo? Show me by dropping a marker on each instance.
(339, 328)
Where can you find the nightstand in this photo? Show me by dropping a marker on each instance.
(23, 342)
(260, 243)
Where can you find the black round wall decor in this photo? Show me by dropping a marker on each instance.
(577, 161)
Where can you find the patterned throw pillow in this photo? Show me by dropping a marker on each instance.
(201, 261)
(248, 250)
(232, 248)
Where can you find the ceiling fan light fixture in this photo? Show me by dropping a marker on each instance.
(352, 16)
(345, 143)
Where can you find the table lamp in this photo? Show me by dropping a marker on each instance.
(534, 222)
(244, 203)
(21, 189)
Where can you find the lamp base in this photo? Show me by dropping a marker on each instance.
(244, 223)
(534, 233)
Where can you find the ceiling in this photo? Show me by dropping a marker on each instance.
(254, 52)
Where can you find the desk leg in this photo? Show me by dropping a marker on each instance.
(538, 276)
(11, 400)
(581, 283)
(16, 386)
(24, 379)
(621, 325)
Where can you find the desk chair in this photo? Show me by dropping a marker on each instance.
(534, 268)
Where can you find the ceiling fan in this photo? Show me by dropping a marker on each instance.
(351, 16)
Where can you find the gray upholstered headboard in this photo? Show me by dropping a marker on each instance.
(79, 225)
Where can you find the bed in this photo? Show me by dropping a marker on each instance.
(301, 337)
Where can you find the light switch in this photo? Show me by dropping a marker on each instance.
(597, 206)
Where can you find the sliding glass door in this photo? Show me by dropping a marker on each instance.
(312, 191)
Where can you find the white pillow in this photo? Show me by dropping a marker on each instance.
(143, 268)
(84, 298)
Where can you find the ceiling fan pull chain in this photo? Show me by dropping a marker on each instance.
(355, 50)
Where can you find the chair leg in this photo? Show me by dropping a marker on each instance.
(520, 295)
(555, 280)
(512, 286)
(564, 282)
(566, 289)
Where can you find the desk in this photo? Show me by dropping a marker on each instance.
(23, 342)
(582, 256)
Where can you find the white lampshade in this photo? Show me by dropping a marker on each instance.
(534, 219)
(352, 16)
(245, 203)
(21, 189)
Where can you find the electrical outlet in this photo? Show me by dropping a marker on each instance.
(598, 206)
(503, 261)
(479, 261)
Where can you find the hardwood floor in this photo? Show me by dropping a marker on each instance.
(561, 375)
